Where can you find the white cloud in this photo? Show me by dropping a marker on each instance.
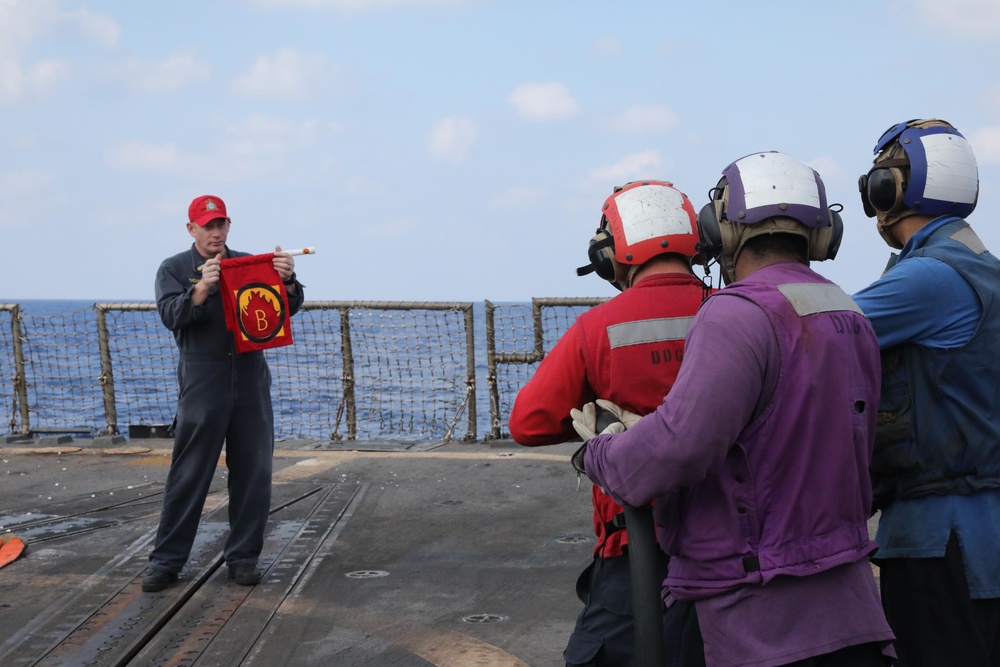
(160, 76)
(629, 168)
(260, 126)
(169, 160)
(985, 144)
(23, 23)
(23, 182)
(959, 18)
(450, 139)
(826, 167)
(19, 81)
(286, 74)
(258, 143)
(98, 27)
(543, 101)
(642, 120)
(141, 156)
(254, 146)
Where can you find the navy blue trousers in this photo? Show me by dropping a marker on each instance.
(934, 618)
(604, 635)
(222, 401)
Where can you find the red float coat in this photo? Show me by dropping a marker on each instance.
(627, 350)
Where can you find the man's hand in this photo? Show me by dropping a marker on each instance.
(210, 272)
(585, 422)
(283, 263)
(627, 418)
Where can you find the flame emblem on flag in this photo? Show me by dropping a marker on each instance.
(261, 312)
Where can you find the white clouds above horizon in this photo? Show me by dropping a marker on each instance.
(543, 101)
(285, 74)
(20, 81)
(631, 167)
(143, 156)
(320, 112)
(25, 22)
(985, 143)
(23, 182)
(450, 139)
(250, 147)
(643, 120)
(173, 72)
(959, 18)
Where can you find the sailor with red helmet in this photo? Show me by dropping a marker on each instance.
(627, 350)
(758, 458)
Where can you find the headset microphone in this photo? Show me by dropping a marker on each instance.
(584, 270)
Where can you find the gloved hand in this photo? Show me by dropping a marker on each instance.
(585, 423)
(621, 414)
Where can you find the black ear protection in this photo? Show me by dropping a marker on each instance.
(882, 188)
(601, 253)
(709, 233)
(824, 242)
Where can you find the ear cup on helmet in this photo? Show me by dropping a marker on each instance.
(824, 242)
(885, 188)
(601, 253)
(719, 238)
(709, 233)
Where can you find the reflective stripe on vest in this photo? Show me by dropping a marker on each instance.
(969, 239)
(649, 331)
(812, 298)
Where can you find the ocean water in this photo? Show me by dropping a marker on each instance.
(397, 396)
(48, 307)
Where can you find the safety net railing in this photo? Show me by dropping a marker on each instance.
(357, 370)
(518, 336)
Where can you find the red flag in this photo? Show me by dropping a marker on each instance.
(255, 302)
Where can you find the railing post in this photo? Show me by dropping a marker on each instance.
(348, 377)
(536, 325)
(107, 378)
(491, 371)
(20, 378)
(470, 381)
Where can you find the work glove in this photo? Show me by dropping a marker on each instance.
(621, 414)
(586, 423)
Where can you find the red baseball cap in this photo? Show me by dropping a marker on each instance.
(205, 209)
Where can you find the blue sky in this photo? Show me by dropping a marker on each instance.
(447, 150)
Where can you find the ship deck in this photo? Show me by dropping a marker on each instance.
(377, 553)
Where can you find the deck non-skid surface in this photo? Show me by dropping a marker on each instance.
(458, 555)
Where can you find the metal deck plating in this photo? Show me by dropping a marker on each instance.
(407, 554)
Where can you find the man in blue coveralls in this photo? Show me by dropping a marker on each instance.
(224, 397)
(936, 465)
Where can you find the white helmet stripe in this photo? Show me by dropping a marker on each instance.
(952, 174)
(649, 212)
(781, 179)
